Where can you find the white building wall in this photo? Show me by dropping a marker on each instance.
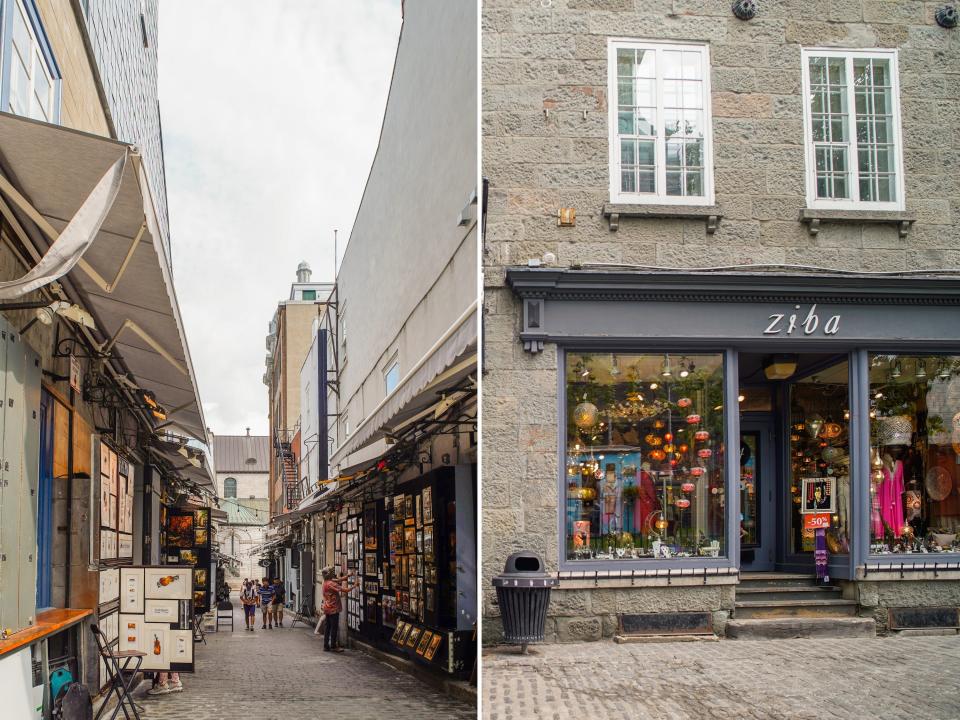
(309, 416)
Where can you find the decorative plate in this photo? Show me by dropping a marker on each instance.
(938, 483)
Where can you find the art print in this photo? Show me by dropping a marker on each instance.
(131, 590)
(180, 646)
(200, 599)
(200, 577)
(180, 531)
(201, 519)
(397, 632)
(430, 599)
(433, 646)
(419, 511)
(105, 519)
(124, 546)
(200, 537)
(427, 505)
(398, 508)
(428, 542)
(130, 632)
(109, 585)
(154, 643)
(413, 637)
(408, 506)
(425, 639)
(371, 612)
(189, 557)
(409, 539)
(167, 583)
(108, 544)
(389, 605)
(819, 495)
(161, 611)
(370, 527)
(405, 633)
(370, 564)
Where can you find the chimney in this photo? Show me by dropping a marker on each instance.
(304, 272)
(248, 432)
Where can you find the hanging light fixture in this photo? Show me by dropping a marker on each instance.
(684, 372)
(921, 369)
(895, 369)
(780, 367)
(943, 371)
(665, 369)
(614, 367)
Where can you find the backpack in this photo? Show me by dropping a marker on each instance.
(74, 703)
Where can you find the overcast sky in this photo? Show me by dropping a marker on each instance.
(271, 114)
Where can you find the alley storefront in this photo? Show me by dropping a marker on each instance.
(107, 499)
(718, 428)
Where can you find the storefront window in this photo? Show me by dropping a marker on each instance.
(820, 460)
(914, 453)
(644, 469)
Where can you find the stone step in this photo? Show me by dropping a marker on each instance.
(745, 609)
(785, 628)
(789, 592)
(770, 579)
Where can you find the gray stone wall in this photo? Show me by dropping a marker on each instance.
(876, 598)
(128, 71)
(545, 146)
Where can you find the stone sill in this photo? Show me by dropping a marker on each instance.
(901, 218)
(711, 214)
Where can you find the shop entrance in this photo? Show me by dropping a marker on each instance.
(794, 457)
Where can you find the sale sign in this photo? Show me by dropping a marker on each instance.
(815, 521)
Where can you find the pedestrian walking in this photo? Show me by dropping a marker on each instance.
(279, 597)
(249, 597)
(166, 683)
(333, 588)
(266, 599)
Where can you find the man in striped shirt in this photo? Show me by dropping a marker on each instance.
(266, 597)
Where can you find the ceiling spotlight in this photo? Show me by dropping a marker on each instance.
(654, 386)
(665, 369)
(684, 372)
(896, 369)
(741, 398)
(943, 371)
(614, 367)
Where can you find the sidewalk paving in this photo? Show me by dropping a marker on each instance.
(876, 678)
(284, 674)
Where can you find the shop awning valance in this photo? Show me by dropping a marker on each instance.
(85, 203)
(202, 476)
(422, 386)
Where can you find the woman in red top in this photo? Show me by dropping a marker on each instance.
(332, 590)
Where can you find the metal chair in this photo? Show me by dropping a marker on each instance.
(224, 607)
(122, 687)
(198, 634)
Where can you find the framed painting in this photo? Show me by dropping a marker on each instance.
(161, 611)
(819, 495)
(428, 542)
(413, 637)
(200, 577)
(131, 590)
(419, 511)
(201, 518)
(370, 564)
(425, 639)
(167, 583)
(189, 557)
(180, 646)
(408, 506)
(427, 505)
(200, 536)
(433, 646)
(409, 539)
(180, 530)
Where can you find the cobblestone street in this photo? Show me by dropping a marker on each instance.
(283, 674)
(879, 678)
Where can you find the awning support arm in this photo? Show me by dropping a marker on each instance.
(129, 324)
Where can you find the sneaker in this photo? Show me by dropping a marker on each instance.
(270, 626)
(281, 623)
(158, 690)
(175, 687)
(337, 650)
(326, 649)
(263, 627)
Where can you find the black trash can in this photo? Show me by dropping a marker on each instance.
(523, 594)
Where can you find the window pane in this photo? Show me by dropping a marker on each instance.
(672, 63)
(694, 153)
(818, 71)
(628, 152)
(675, 182)
(646, 67)
(874, 107)
(20, 88)
(625, 122)
(22, 40)
(625, 62)
(628, 181)
(691, 66)
(625, 92)
(672, 93)
(645, 122)
(647, 182)
(644, 472)
(694, 183)
(692, 94)
(646, 153)
(693, 123)
(671, 122)
(820, 458)
(836, 71)
(913, 470)
(674, 154)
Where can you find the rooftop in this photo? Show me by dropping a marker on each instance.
(241, 453)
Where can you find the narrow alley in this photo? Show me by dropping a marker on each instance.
(284, 673)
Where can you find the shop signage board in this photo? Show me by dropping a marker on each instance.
(816, 521)
(156, 611)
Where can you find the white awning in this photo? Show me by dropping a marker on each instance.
(202, 475)
(124, 276)
(422, 386)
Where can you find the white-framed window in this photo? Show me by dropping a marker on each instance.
(852, 128)
(31, 80)
(661, 149)
(391, 376)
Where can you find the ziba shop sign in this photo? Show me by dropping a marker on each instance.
(796, 323)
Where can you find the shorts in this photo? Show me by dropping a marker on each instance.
(250, 610)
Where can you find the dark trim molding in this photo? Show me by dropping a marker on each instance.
(691, 286)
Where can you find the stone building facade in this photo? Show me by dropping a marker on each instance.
(547, 129)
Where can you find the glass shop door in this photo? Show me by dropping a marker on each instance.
(757, 485)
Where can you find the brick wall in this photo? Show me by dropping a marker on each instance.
(552, 55)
